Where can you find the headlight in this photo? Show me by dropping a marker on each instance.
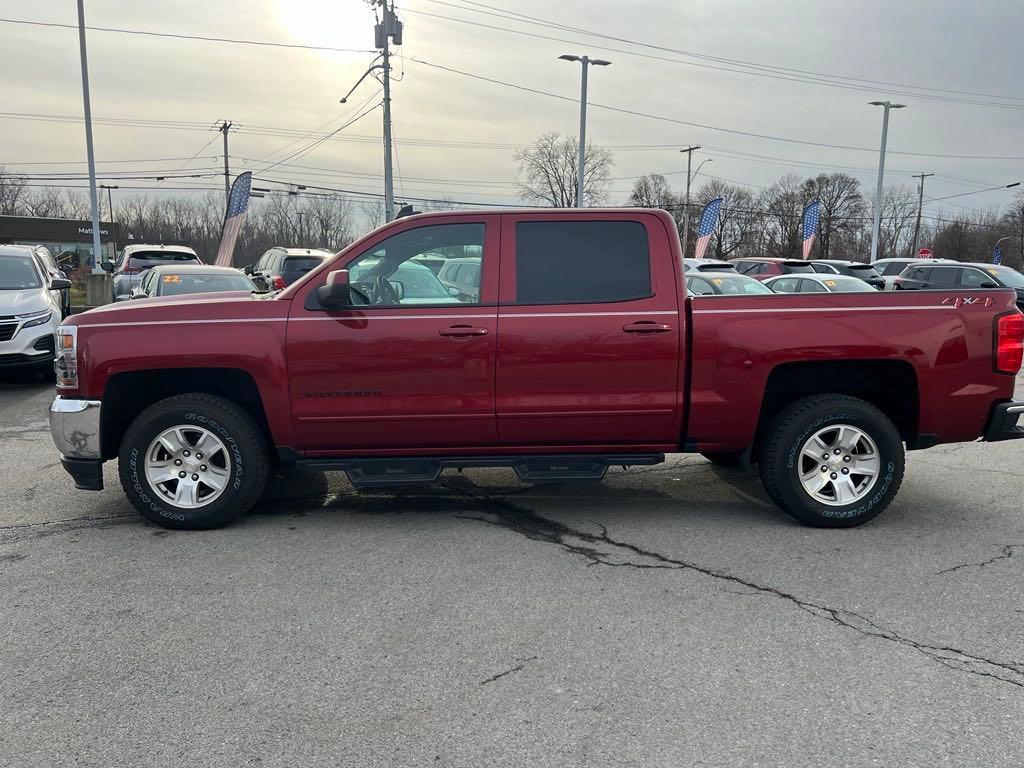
(35, 318)
(66, 362)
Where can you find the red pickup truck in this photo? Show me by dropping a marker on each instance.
(580, 350)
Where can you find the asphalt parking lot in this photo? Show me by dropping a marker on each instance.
(668, 616)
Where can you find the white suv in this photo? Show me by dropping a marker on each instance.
(30, 310)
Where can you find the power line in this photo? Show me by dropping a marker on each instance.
(770, 74)
(525, 18)
(178, 36)
(703, 126)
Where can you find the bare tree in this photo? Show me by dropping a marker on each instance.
(329, 221)
(737, 220)
(549, 172)
(899, 210)
(12, 192)
(842, 206)
(783, 203)
(373, 213)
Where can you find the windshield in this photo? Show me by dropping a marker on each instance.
(1011, 278)
(18, 273)
(175, 285)
(737, 285)
(847, 285)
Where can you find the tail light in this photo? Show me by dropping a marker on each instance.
(1009, 350)
(278, 283)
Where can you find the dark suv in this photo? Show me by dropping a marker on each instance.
(762, 269)
(280, 267)
(959, 277)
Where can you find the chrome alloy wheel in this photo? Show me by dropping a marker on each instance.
(839, 465)
(188, 466)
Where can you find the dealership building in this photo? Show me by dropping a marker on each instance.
(68, 240)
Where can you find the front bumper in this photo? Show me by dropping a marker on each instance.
(1002, 424)
(75, 427)
(29, 346)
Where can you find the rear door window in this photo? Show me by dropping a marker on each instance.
(944, 277)
(575, 262)
(974, 278)
(811, 286)
(699, 286)
(784, 285)
(919, 273)
(824, 269)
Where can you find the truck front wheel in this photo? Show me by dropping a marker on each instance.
(193, 461)
(832, 461)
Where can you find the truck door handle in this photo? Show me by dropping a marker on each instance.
(462, 331)
(646, 326)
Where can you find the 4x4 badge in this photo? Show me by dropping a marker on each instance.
(960, 301)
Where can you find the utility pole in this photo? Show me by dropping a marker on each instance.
(389, 178)
(93, 199)
(920, 204)
(686, 206)
(225, 126)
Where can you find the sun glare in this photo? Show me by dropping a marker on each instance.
(332, 23)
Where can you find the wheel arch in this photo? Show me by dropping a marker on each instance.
(127, 394)
(889, 385)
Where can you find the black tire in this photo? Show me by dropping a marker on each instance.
(731, 459)
(241, 438)
(781, 459)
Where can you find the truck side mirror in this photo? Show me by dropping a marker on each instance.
(247, 269)
(107, 266)
(989, 284)
(60, 284)
(337, 292)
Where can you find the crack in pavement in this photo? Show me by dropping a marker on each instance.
(500, 675)
(22, 531)
(1006, 554)
(603, 550)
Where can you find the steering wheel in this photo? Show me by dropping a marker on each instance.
(384, 292)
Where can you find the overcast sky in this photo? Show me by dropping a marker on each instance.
(937, 44)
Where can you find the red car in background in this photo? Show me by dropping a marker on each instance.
(762, 269)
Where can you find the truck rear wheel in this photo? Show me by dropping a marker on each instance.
(832, 461)
(193, 461)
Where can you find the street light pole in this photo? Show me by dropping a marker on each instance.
(877, 224)
(581, 163)
(93, 200)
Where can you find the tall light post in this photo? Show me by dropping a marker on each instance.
(87, 108)
(877, 225)
(580, 170)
